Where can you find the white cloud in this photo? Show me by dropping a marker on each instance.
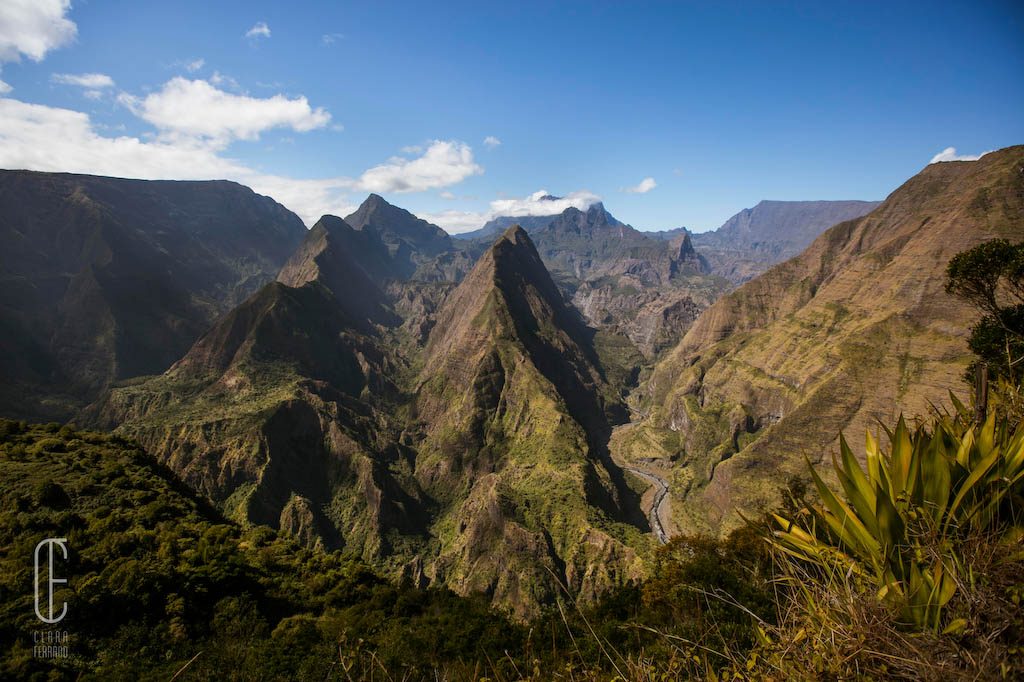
(196, 108)
(259, 30)
(444, 163)
(491, 142)
(93, 94)
(194, 65)
(222, 81)
(93, 81)
(645, 186)
(331, 38)
(44, 138)
(537, 204)
(412, 149)
(39, 137)
(949, 154)
(5, 88)
(447, 195)
(33, 28)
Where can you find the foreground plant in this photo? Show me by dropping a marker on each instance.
(904, 523)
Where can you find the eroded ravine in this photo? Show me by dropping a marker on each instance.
(657, 510)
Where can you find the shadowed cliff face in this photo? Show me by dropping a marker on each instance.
(856, 328)
(106, 279)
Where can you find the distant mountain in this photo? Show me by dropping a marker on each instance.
(772, 231)
(496, 226)
(412, 247)
(667, 235)
(106, 279)
(856, 328)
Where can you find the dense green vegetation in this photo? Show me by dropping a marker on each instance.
(158, 577)
(991, 277)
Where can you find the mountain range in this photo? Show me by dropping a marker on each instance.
(489, 414)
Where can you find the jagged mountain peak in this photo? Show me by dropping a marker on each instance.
(342, 259)
(596, 216)
(388, 219)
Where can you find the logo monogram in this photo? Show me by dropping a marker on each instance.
(48, 543)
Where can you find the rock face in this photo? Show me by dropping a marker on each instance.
(300, 409)
(756, 238)
(106, 279)
(856, 328)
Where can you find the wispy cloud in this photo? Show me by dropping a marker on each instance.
(491, 142)
(93, 81)
(949, 154)
(331, 38)
(194, 65)
(645, 186)
(259, 30)
(539, 203)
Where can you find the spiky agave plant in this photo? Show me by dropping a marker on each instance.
(903, 523)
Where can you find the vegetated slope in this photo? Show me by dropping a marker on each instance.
(283, 412)
(294, 411)
(772, 231)
(159, 582)
(105, 279)
(514, 413)
(856, 328)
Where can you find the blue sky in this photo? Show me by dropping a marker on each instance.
(716, 105)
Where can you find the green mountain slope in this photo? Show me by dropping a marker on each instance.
(312, 409)
(856, 328)
(514, 410)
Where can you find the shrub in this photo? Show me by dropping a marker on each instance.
(906, 519)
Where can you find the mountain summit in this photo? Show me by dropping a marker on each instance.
(512, 404)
